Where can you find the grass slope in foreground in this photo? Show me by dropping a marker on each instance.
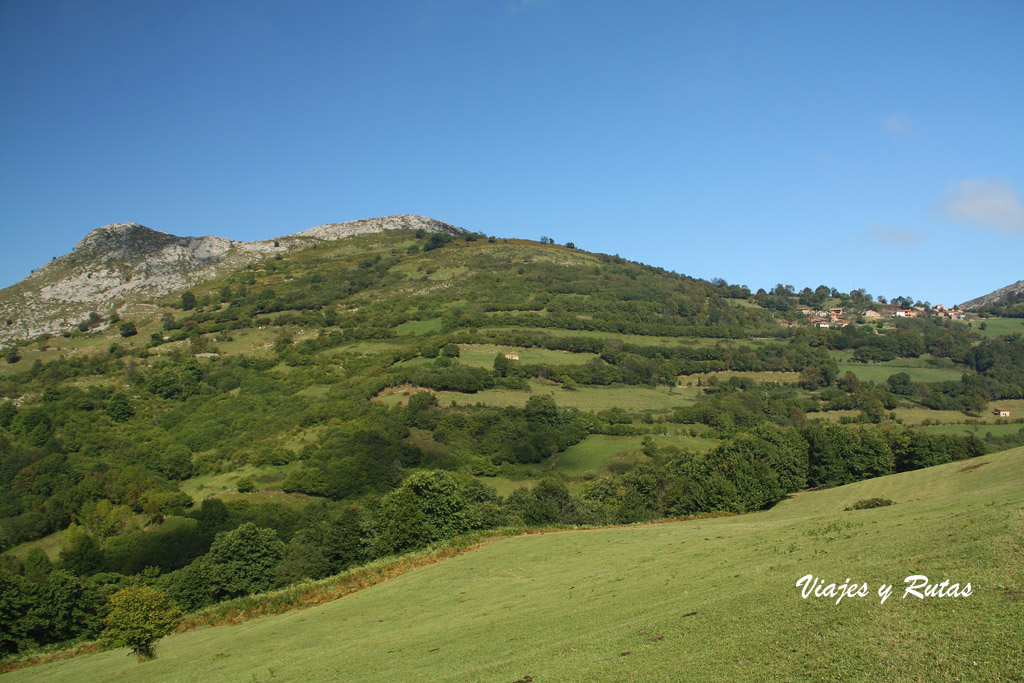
(700, 600)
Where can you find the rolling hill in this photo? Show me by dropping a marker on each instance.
(326, 402)
(699, 600)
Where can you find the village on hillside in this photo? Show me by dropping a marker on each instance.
(841, 317)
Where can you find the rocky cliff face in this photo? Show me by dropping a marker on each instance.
(994, 297)
(127, 263)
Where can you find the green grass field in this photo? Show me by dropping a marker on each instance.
(482, 355)
(725, 375)
(641, 340)
(596, 454)
(699, 600)
(979, 430)
(419, 327)
(922, 369)
(998, 326)
(209, 485)
(630, 398)
(593, 457)
(51, 545)
(879, 372)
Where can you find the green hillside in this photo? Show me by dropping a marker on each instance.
(341, 402)
(699, 600)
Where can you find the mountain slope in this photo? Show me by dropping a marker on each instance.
(994, 297)
(127, 263)
(701, 600)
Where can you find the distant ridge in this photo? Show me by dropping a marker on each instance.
(994, 297)
(127, 262)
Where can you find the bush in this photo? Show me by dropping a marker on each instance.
(128, 329)
(868, 503)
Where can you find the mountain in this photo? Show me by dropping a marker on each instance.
(994, 297)
(324, 404)
(125, 264)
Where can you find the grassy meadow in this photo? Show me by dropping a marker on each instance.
(632, 398)
(712, 599)
(995, 327)
(598, 453)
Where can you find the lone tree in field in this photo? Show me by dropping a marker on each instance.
(139, 616)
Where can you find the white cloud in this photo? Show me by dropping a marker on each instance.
(897, 124)
(900, 236)
(983, 203)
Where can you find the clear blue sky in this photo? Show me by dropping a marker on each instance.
(857, 144)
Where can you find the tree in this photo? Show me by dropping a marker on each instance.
(436, 241)
(188, 301)
(102, 519)
(139, 616)
(128, 329)
(12, 356)
(502, 365)
(541, 409)
(118, 408)
(900, 384)
(242, 561)
(428, 507)
(80, 554)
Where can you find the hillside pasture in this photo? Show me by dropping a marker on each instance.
(880, 372)
(995, 327)
(979, 430)
(638, 339)
(418, 327)
(600, 453)
(482, 355)
(586, 398)
(725, 375)
(712, 599)
(922, 369)
(218, 485)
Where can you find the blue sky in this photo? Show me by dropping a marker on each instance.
(861, 144)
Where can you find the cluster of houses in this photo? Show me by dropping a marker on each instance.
(838, 317)
(833, 317)
(951, 313)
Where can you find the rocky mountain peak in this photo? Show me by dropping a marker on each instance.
(128, 263)
(994, 297)
(333, 231)
(123, 240)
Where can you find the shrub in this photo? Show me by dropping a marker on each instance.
(868, 503)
